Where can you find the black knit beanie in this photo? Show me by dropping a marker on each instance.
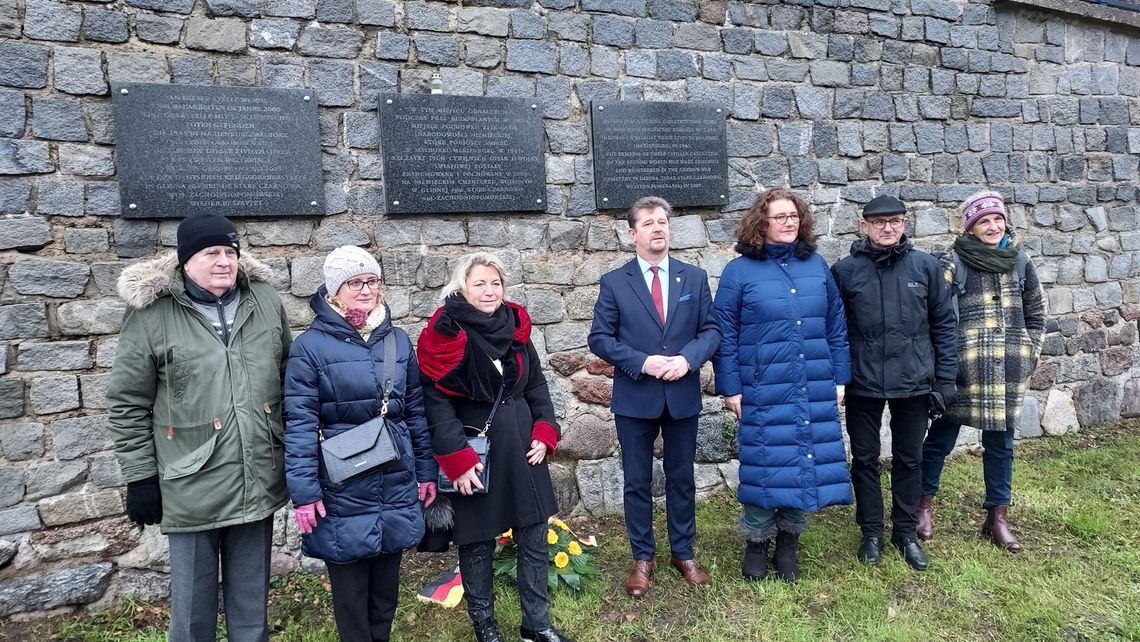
(196, 233)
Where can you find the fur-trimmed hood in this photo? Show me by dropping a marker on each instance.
(141, 284)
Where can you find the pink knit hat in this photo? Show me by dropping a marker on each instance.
(982, 204)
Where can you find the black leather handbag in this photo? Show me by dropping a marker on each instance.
(479, 442)
(363, 448)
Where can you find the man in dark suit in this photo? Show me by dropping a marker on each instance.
(653, 321)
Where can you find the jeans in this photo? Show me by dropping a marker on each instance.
(908, 426)
(997, 460)
(758, 524)
(477, 574)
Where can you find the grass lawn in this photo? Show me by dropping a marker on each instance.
(1077, 513)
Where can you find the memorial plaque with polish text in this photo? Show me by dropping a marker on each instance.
(445, 154)
(674, 150)
(235, 151)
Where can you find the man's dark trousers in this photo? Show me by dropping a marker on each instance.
(908, 428)
(679, 437)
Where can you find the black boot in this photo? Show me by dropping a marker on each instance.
(545, 635)
(870, 550)
(912, 553)
(487, 631)
(787, 566)
(755, 566)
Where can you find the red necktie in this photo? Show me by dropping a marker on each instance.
(655, 292)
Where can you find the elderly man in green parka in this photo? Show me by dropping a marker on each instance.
(195, 404)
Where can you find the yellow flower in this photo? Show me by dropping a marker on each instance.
(560, 524)
(561, 560)
(551, 536)
(509, 534)
(574, 548)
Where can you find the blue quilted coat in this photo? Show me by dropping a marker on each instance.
(332, 382)
(784, 349)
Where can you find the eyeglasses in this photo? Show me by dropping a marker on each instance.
(784, 219)
(356, 285)
(880, 223)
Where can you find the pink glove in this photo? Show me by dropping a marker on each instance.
(306, 516)
(427, 493)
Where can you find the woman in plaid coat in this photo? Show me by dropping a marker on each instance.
(1001, 325)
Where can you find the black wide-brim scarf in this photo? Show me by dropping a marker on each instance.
(460, 364)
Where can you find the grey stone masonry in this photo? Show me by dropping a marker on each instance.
(219, 34)
(56, 355)
(50, 20)
(23, 321)
(79, 71)
(74, 438)
(24, 232)
(49, 278)
(25, 65)
(54, 394)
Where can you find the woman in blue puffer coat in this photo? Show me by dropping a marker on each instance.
(781, 367)
(333, 383)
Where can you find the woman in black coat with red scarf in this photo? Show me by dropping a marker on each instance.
(474, 345)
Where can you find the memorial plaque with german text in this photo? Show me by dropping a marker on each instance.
(447, 154)
(234, 151)
(677, 151)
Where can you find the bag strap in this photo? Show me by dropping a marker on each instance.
(494, 409)
(389, 369)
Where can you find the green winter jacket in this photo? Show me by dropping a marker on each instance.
(203, 416)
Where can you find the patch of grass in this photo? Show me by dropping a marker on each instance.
(1076, 510)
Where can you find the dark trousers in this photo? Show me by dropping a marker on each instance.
(244, 553)
(997, 460)
(477, 574)
(636, 437)
(364, 595)
(908, 426)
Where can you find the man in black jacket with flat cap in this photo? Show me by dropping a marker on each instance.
(901, 325)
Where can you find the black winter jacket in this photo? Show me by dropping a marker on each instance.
(900, 320)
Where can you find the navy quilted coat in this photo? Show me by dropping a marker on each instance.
(784, 349)
(332, 382)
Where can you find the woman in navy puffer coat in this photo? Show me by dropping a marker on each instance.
(781, 367)
(333, 383)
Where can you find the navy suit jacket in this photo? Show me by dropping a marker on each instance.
(626, 330)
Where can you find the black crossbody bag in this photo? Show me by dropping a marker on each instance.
(364, 448)
(477, 438)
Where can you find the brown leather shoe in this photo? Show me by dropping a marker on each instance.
(691, 571)
(637, 583)
(926, 518)
(997, 529)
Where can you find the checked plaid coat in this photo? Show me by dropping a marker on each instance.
(1000, 330)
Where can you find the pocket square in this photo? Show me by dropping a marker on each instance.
(685, 297)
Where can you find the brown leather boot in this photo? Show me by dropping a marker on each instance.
(925, 518)
(997, 529)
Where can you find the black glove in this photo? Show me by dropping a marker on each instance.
(942, 394)
(144, 501)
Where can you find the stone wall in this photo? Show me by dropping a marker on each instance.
(840, 99)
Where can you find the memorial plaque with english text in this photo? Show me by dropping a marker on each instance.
(235, 151)
(674, 150)
(445, 154)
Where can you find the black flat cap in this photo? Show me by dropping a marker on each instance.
(883, 206)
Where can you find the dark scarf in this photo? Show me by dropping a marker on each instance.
(497, 330)
(985, 258)
(881, 256)
(490, 336)
(801, 249)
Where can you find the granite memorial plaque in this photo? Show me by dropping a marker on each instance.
(670, 149)
(446, 154)
(234, 151)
